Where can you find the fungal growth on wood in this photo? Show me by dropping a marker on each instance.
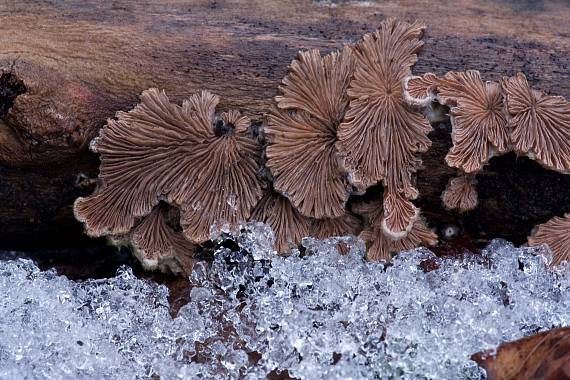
(159, 245)
(477, 118)
(556, 235)
(381, 246)
(343, 122)
(539, 124)
(288, 225)
(381, 135)
(302, 132)
(420, 90)
(461, 193)
(181, 154)
(185, 155)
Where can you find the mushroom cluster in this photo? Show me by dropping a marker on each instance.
(161, 155)
(490, 119)
(342, 123)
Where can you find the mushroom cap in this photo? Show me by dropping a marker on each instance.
(162, 151)
(302, 133)
(158, 245)
(225, 186)
(347, 224)
(556, 235)
(381, 134)
(380, 246)
(539, 124)
(288, 225)
(477, 118)
(399, 215)
(460, 194)
(420, 90)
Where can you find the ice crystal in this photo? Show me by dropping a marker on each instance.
(322, 313)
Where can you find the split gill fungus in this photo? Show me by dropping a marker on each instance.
(342, 122)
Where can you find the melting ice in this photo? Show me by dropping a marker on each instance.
(320, 315)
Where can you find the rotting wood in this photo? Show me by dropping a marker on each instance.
(81, 61)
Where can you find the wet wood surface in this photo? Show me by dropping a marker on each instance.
(81, 61)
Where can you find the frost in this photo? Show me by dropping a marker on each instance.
(322, 314)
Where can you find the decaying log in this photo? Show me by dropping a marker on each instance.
(68, 66)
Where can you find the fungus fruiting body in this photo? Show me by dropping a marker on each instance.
(158, 245)
(342, 123)
(181, 154)
(302, 133)
(380, 245)
(556, 235)
(461, 193)
(419, 90)
(478, 122)
(288, 225)
(539, 124)
(381, 134)
(204, 165)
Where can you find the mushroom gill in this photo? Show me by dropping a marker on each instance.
(461, 193)
(158, 245)
(381, 134)
(381, 246)
(477, 118)
(288, 225)
(302, 133)
(184, 155)
(539, 124)
(556, 235)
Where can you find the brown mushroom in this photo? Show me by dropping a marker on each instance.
(347, 224)
(461, 193)
(182, 154)
(420, 90)
(381, 135)
(158, 245)
(288, 225)
(381, 246)
(302, 133)
(539, 124)
(477, 117)
(556, 235)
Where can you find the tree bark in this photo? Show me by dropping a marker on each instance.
(70, 65)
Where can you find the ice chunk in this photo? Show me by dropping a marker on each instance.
(324, 313)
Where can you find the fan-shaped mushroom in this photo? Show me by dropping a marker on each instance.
(461, 193)
(556, 235)
(182, 154)
(539, 124)
(419, 90)
(302, 132)
(290, 226)
(158, 245)
(477, 118)
(379, 245)
(381, 134)
(346, 224)
(478, 125)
